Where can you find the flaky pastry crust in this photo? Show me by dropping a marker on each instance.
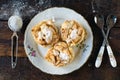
(72, 32)
(45, 33)
(60, 54)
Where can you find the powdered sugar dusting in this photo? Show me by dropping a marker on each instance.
(22, 8)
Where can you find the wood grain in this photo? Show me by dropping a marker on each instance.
(5, 41)
(26, 71)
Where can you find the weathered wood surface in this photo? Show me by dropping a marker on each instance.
(26, 71)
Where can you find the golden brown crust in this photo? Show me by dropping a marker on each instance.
(39, 28)
(72, 33)
(69, 28)
(54, 54)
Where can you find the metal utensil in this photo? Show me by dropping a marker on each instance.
(95, 8)
(111, 20)
(15, 24)
(99, 20)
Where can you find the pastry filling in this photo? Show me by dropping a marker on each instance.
(63, 56)
(72, 32)
(73, 35)
(45, 34)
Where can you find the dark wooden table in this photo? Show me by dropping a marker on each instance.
(26, 71)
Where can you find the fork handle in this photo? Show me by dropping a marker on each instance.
(99, 57)
(111, 56)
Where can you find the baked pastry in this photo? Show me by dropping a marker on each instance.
(72, 32)
(45, 33)
(60, 54)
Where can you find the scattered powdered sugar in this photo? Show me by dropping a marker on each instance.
(47, 32)
(64, 56)
(22, 8)
(72, 36)
(15, 23)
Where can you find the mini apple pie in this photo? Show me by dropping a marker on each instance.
(72, 32)
(45, 33)
(60, 54)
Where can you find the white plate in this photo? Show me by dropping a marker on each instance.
(35, 53)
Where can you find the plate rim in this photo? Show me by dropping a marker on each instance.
(25, 48)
